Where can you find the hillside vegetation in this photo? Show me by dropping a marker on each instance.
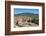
(24, 20)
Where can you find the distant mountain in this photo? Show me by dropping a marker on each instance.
(26, 14)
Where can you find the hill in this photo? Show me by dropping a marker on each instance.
(26, 14)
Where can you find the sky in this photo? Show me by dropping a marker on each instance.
(24, 10)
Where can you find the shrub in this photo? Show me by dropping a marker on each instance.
(35, 19)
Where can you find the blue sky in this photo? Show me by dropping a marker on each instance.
(24, 10)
